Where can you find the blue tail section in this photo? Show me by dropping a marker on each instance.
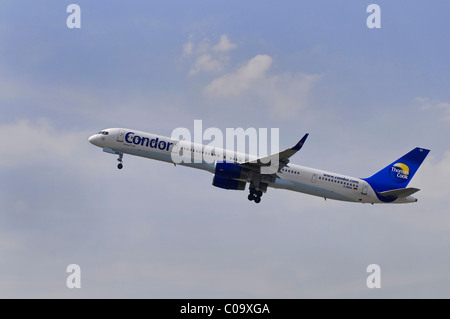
(399, 173)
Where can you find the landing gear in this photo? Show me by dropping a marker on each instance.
(255, 195)
(120, 165)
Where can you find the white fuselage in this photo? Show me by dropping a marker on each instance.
(292, 177)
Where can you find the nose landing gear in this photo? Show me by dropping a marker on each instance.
(255, 195)
(120, 165)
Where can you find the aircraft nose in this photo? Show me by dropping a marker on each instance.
(92, 139)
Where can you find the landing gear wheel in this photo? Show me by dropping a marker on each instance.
(120, 165)
(255, 195)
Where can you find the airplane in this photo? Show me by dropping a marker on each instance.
(233, 170)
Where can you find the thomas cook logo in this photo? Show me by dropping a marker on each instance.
(399, 172)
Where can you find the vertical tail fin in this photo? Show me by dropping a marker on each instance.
(399, 173)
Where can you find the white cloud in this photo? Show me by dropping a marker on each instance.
(38, 141)
(188, 48)
(427, 104)
(237, 82)
(433, 180)
(287, 93)
(284, 94)
(206, 63)
(208, 58)
(224, 44)
(434, 177)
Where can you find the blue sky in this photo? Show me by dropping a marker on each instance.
(366, 96)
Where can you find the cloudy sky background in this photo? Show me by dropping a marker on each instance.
(366, 96)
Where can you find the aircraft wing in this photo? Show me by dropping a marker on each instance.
(273, 163)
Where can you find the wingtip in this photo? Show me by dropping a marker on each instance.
(300, 143)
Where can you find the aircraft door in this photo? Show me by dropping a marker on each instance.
(314, 178)
(120, 136)
(365, 189)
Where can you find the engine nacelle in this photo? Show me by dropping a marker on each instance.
(229, 170)
(228, 183)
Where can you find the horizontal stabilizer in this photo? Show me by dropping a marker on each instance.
(401, 192)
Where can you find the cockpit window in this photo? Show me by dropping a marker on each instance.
(103, 132)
